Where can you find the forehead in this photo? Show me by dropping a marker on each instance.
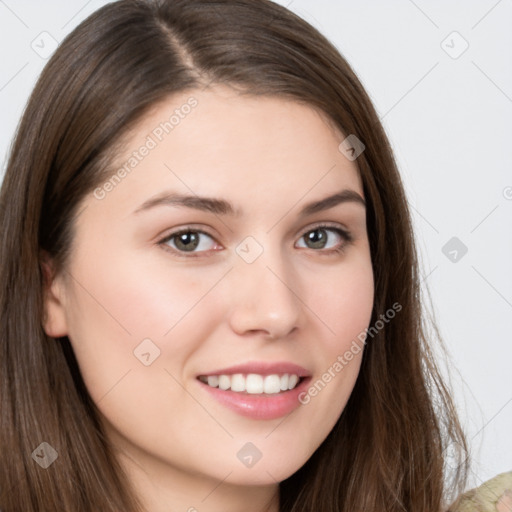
(219, 142)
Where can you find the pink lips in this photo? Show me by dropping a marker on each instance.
(262, 406)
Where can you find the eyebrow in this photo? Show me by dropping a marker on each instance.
(223, 207)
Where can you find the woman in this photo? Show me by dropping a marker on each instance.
(210, 292)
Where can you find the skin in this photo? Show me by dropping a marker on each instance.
(268, 157)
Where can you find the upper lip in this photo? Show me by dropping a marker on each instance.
(262, 368)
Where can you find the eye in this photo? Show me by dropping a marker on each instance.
(190, 241)
(325, 237)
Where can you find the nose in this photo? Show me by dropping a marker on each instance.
(263, 298)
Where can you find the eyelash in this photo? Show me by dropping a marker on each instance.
(344, 234)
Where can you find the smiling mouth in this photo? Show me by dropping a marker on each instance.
(253, 383)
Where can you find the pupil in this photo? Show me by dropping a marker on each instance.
(317, 238)
(187, 241)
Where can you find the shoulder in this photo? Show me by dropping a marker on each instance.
(495, 495)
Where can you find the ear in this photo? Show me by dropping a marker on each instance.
(54, 321)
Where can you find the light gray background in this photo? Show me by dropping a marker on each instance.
(449, 121)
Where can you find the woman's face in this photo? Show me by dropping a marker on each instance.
(215, 254)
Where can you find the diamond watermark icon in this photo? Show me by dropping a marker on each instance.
(249, 455)
(249, 249)
(454, 249)
(454, 455)
(44, 45)
(351, 147)
(45, 455)
(454, 45)
(146, 352)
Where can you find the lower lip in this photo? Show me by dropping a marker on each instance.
(259, 407)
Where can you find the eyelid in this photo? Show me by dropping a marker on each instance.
(328, 225)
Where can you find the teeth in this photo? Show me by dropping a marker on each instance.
(292, 382)
(272, 384)
(237, 382)
(213, 381)
(224, 382)
(253, 383)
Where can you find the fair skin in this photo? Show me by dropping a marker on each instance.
(298, 301)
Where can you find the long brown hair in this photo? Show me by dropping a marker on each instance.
(386, 450)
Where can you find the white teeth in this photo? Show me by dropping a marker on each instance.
(237, 382)
(213, 381)
(272, 384)
(224, 382)
(253, 383)
(292, 382)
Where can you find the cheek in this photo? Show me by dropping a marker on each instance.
(133, 329)
(343, 301)
(143, 296)
(118, 305)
